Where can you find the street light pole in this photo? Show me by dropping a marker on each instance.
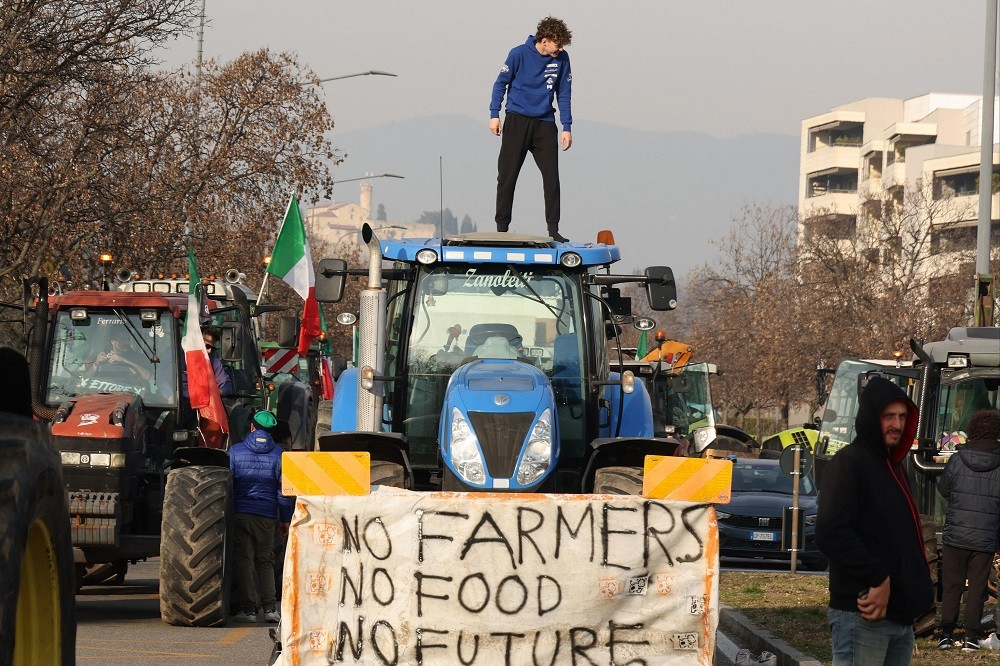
(370, 72)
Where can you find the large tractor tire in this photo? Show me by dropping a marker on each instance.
(618, 481)
(37, 625)
(387, 474)
(196, 547)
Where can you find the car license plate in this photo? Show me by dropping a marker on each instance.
(762, 536)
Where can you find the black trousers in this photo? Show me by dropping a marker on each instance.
(520, 136)
(958, 565)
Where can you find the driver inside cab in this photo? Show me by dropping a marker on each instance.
(122, 351)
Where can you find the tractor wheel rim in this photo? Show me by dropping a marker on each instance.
(39, 614)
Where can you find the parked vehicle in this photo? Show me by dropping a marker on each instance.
(750, 526)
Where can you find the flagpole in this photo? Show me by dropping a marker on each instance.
(263, 285)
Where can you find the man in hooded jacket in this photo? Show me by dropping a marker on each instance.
(255, 464)
(869, 527)
(971, 533)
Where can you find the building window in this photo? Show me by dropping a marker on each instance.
(837, 227)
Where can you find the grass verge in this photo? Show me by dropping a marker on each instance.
(793, 608)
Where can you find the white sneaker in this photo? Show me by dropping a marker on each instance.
(245, 617)
(991, 642)
(272, 615)
(767, 659)
(743, 657)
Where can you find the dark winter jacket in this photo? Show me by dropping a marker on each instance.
(868, 523)
(530, 80)
(971, 484)
(256, 466)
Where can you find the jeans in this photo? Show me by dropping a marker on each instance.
(860, 642)
(254, 554)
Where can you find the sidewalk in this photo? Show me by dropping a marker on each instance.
(736, 631)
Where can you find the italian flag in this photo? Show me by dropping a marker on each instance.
(292, 264)
(203, 391)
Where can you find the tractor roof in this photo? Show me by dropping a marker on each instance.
(980, 345)
(498, 248)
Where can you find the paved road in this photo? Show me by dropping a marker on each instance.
(121, 625)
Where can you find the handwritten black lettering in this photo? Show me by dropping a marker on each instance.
(345, 582)
(475, 649)
(524, 533)
(510, 636)
(577, 636)
(475, 540)
(421, 646)
(613, 630)
(561, 521)
(387, 585)
(462, 594)
(542, 610)
(385, 542)
(555, 650)
(519, 605)
(607, 531)
(390, 633)
(423, 534)
(693, 531)
(420, 576)
(344, 638)
(653, 533)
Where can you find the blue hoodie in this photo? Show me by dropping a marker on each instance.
(256, 467)
(529, 80)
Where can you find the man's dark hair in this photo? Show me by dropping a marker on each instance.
(984, 424)
(555, 29)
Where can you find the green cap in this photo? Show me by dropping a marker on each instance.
(265, 419)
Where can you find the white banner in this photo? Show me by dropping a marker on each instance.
(399, 577)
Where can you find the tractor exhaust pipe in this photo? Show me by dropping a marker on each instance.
(36, 344)
(371, 343)
(923, 457)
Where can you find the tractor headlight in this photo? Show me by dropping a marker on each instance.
(722, 515)
(538, 453)
(703, 437)
(465, 455)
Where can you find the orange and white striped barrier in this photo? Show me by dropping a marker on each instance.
(325, 473)
(687, 479)
(399, 577)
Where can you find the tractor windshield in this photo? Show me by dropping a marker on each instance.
(488, 311)
(113, 351)
(961, 397)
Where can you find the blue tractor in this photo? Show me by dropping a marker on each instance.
(483, 365)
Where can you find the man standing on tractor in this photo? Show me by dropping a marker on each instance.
(533, 73)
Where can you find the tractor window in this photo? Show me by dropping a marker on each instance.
(112, 351)
(959, 401)
(488, 311)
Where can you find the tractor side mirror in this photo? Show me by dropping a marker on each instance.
(288, 332)
(231, 347)
(330, 278)
(661, 290)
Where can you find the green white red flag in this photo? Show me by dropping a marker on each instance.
(292, 264)
(203, 391)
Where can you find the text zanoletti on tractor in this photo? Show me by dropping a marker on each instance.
(508, 458)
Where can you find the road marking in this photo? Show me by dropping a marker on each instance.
(235, 635)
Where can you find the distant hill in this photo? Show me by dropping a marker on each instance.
(664, 194)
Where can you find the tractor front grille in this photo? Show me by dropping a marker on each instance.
(501, 436)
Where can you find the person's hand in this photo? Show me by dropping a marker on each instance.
(566, 140)
(874, 603)
(495, 126)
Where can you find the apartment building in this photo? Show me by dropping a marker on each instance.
(340, 222)
(878, 148)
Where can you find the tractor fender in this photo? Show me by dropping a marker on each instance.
(186, 456)
(344, 414)
(623, 452)
(388, 447)
(738, 434)
(636, 415)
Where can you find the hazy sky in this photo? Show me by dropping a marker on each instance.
(723, 67)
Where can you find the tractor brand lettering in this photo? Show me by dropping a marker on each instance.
(103, 386)
(477, 282)
(413, 579)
